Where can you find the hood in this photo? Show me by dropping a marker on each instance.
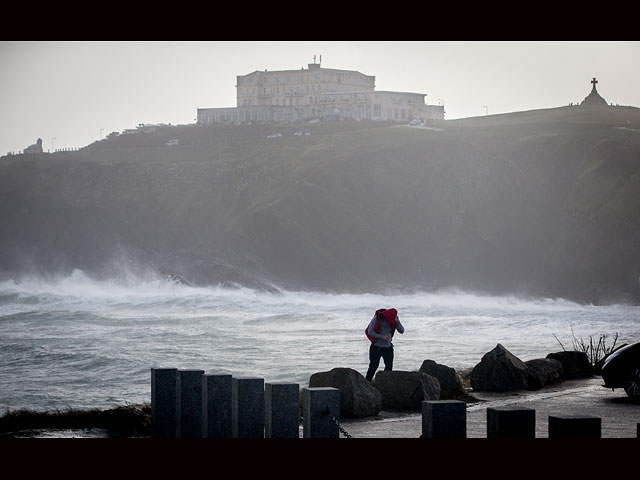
(390, 314)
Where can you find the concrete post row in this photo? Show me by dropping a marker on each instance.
(192, 404)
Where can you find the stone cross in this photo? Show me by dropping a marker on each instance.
(594, 81)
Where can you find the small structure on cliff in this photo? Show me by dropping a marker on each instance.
(35, 148)
(594, 97)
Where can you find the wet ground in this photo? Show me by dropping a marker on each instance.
(619, 415)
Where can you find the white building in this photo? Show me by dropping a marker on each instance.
(294, 95)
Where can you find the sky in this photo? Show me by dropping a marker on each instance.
(73, 93)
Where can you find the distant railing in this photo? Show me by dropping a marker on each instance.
(71, 149)
(57, 150)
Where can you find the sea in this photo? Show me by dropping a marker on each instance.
(79, 343)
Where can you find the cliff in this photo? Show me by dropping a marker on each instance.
(543, 203)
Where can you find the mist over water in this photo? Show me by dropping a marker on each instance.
(82, 343)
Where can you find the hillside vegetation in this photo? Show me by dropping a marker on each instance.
(542, 203)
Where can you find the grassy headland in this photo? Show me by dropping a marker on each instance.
(542, 203)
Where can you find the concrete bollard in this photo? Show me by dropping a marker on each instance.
(164, 420)
(282, 410)
(575, 427)
(318, 404)
(216, 406)
(189, 409)
(511, 422)
(247, 407)
(444, 419)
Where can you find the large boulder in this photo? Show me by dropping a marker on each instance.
(574, 364)
(402, 390)
(542, 372)
(450, 381)
(499, 371)
(358, 398)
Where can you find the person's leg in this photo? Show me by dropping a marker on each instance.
(387, 355)
(374, 360)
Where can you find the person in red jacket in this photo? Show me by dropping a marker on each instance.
(380, 331)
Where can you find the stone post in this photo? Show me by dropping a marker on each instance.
(216, 406)
(164, 420)
(247, 406)
(190, 403)
(318, 404)
(511, 422)
(282, 410)
(575, 427)
(444, 419)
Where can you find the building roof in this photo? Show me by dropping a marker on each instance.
(403, 93)
(317, 68)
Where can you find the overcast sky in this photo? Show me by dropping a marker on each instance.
(71, 94)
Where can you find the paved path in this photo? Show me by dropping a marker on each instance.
(619, 415)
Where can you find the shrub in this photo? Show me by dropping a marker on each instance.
(596, 351)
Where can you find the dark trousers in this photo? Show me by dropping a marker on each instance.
(375, 353)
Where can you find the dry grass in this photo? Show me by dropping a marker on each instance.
(596, 351)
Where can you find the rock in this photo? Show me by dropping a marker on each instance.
(543, 371)
(450, 381)
(499, 371)
(358, 398)
(574, 364)
(403, 390)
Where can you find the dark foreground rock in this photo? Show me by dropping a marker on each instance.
(499, 371)
(542, 372)
(358, 398)
(574, 364)
(450, 382)
(403, 390)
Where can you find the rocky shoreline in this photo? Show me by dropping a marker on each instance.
(498, 371)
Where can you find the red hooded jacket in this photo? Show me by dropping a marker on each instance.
(390, 315)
